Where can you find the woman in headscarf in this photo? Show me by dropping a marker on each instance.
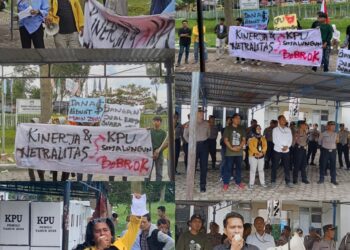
(31, 27)
(257, 150)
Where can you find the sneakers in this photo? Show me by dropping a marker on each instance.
(225, 188)
(320, 182)
(335, 183)
(235, 62)
(258, 63)
(290, 185)
(306, 182)
(273, 184)
(264, 185)
(242, 62)
(240, 186)
(250, 187)
(177, 65)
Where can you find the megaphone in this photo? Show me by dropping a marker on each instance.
(51, 29)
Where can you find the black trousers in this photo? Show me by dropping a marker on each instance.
(203, 154)
(343, 149)
(276, 159)
(312, 150)
(185, 149)
(299, 164)
(37, 38)
(212, 151)
(177, 152)
(269, 152)
(328, 156)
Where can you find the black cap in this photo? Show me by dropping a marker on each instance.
(322, 15)
(157, 118)
(301, 123)
(196, 216)
(328, 227)
(287, 228)
(331, 123)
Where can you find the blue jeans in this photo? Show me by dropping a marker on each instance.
(325, 58)
(325, 157)
(183, 48)
(196, 51)
(230, 161)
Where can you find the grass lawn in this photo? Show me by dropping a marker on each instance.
(123, 211)
(305, 23)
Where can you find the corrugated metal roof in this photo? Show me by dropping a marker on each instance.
(245, 89)
(39, 56)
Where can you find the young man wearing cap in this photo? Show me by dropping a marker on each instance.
(313, 136)
(159, 143)
(282, 140)
(328, 141)
(233, 228)
(260, 239)
(300, 154)
(326, 34)
(202, 135)
(193, 237)
(70, 18)
(327, 242)
(343, 146)
(235, 140)
(310, 239)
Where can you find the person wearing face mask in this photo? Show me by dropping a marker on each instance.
(257, 151)
(233, 228)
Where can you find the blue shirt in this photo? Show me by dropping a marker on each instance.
(32, 23)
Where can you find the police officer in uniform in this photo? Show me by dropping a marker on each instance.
(313, 134)
(328, 142)
(300, 139)
(343, 146)
(327, 242)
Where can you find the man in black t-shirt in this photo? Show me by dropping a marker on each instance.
(69, 16)
(185, 42)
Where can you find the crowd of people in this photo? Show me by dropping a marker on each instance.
(159, 139)
(290, 145)
(238, 235)
(329, 34)
(64, 19)
(140, 233)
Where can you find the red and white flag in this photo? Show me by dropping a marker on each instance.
(324, 9)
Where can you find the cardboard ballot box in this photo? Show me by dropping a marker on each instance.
(46, 224)
(14, 223)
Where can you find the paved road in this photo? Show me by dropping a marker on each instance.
(312, 191)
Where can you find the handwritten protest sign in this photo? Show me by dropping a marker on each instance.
(343, 61)
(285, 22)
(256, 19)
(86, 109)
(105, 30)
(116, 115)
(82, 149)
(299, 47)
(294, 104)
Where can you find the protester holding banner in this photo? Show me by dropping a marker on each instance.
(159, 143)
(221, 36)
(195, 41)
(69, 15)
(326, 34)
(239, 22)
(346, 43)
(31, 17)
(185, 42)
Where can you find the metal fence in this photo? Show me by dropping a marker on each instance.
(10, 120)
(335, 10)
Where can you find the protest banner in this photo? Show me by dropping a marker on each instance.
(294, 104)
(103, 29)
(86, 109)
(83, 149)
(116, 115)
(343, 61)
(249, 4)
(285, 22)
(256, 19)
(299, 47)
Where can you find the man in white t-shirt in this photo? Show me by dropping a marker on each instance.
(260, 239)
